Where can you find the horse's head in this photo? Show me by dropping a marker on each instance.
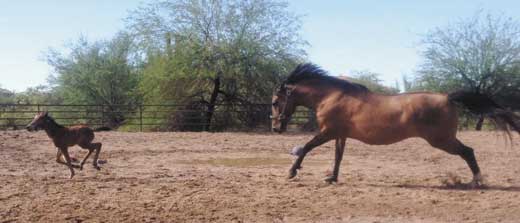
(39, 122)
(283, 107)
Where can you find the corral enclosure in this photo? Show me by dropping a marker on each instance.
(164, 117)
(241, 177)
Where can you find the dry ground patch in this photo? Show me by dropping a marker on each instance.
(241, 177)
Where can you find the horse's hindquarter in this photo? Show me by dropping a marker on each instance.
(80, 134)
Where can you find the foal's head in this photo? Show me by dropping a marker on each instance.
(40, 121)
(282, 108)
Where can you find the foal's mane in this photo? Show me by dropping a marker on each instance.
(52, 121)
(309, 71)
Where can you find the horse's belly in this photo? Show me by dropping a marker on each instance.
(380, 135)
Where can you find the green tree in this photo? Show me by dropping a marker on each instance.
(216, 51)
(480, 54)
(101, 72)
(372, 81)
(6, 96)
(37, 95)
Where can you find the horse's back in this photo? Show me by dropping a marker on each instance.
(82, 133)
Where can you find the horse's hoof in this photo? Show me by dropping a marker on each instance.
(476, 185)
(331, 179)
(477, 182)
(292, 174)
(97, 167)
(81, 168)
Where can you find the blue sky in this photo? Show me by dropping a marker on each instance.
(379, 36)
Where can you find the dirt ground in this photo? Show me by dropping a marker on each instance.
(241, 177)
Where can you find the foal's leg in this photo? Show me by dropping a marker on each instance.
(340, 148)
(90, 150)
(316, 141)
(97, 147)
(456, 147)
(65, 152)
(60, 160)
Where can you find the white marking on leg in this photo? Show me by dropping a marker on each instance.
(297, 151)
(478, 178)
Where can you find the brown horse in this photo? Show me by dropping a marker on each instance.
(349, 110)
(64, 137)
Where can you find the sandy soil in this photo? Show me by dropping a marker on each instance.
(239, 177)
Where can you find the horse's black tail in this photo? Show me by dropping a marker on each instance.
(481, 104)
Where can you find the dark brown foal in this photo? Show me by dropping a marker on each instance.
(64, 137)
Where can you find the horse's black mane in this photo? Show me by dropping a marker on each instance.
(309, 71)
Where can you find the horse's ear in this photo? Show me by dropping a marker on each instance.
(45, 113)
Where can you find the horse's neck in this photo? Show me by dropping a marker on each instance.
(53, 129)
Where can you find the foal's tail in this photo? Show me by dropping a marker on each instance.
(481, 104)
(102, 128)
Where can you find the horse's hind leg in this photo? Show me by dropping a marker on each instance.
(456, 147)
(91, 147)
(340, 148)
(90, 150)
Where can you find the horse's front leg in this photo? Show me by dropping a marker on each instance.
(65, 152)
(315, 142)
(340, 148)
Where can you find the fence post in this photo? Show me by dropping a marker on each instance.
(102, 115)
(38, 105)
(140, 118)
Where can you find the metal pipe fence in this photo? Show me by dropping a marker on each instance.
(172, 117)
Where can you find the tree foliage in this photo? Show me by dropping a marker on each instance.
(6, 96)
(372, 81)
(480, 54)
(215, 51)
(100, 72)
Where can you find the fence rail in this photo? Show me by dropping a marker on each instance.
(172, 117)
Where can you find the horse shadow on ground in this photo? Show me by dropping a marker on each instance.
(454, 182)
(461, 186)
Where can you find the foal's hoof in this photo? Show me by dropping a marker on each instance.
(71, 176)
(101, 162)
(331, 179)
(97, 167)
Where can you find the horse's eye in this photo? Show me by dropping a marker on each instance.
(275, 103)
